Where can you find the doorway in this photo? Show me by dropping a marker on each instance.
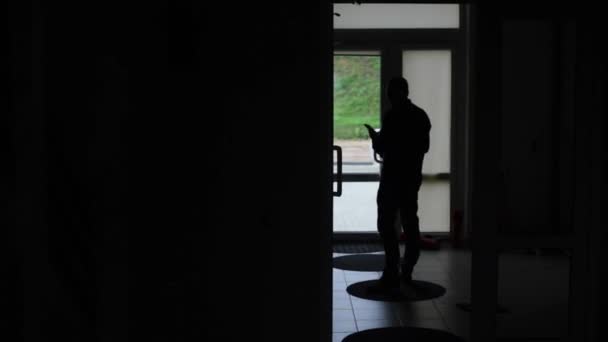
(366, 55)
(431, 59)
(357, 93)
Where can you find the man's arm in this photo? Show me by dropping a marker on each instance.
(379, 141)
(371, 131)
(378, 144)
(426, 134)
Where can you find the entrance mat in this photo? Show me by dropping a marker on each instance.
(417, 290)
(353, 247)
(467, 307)
(360, 262)
(403, 334)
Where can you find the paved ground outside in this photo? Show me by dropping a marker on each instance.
(358, 151)
(357, 156)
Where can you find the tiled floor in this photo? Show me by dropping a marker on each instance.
(352, 314)
(529, 284)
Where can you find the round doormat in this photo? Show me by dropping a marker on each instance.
(403, 334)
(467, 307)
(360, 262)
(364, 246)
(415, 291)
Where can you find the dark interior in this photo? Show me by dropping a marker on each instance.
(170, 166)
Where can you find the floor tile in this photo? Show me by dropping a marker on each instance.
(341, 304)
(338, 337)
(340, 287)
(438, 324)
(373, 324)
(364, 304)
(387, 313)
(418, 310)
(343, 315)
(344, 327)
(359, 276)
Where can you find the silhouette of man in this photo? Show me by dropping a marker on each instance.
(402, 143)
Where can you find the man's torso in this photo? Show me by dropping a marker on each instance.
(406, 141)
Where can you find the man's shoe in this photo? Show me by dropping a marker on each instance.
(406, 278)
(386, 284)
(406, 275)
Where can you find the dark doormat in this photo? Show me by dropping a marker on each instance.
(360, 262)
(354, 247)
(416, 291)
(427, 242)
(467, 307)
(402, 334)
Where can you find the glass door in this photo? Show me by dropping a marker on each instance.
(357, 101)
(429, 74)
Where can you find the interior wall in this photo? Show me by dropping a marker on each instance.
(528, 125)
(538, 121)
(130, 128)
(173, 171)
(549, 167)
(591, 169)
(486, 104)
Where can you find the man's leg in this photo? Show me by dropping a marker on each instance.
(409, 221)
(387, 212)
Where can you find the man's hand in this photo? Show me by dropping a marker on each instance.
(371, 131)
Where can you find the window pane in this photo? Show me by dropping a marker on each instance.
(373, 16)
(434, 206)
(356, 209)
(430, 79)
(356, 102)
(429, 73)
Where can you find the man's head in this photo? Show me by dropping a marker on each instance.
(398, 90)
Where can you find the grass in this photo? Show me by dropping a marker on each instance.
(356, 95)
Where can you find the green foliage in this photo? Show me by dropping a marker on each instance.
(356, 95)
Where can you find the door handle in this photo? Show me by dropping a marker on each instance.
(338, 176)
